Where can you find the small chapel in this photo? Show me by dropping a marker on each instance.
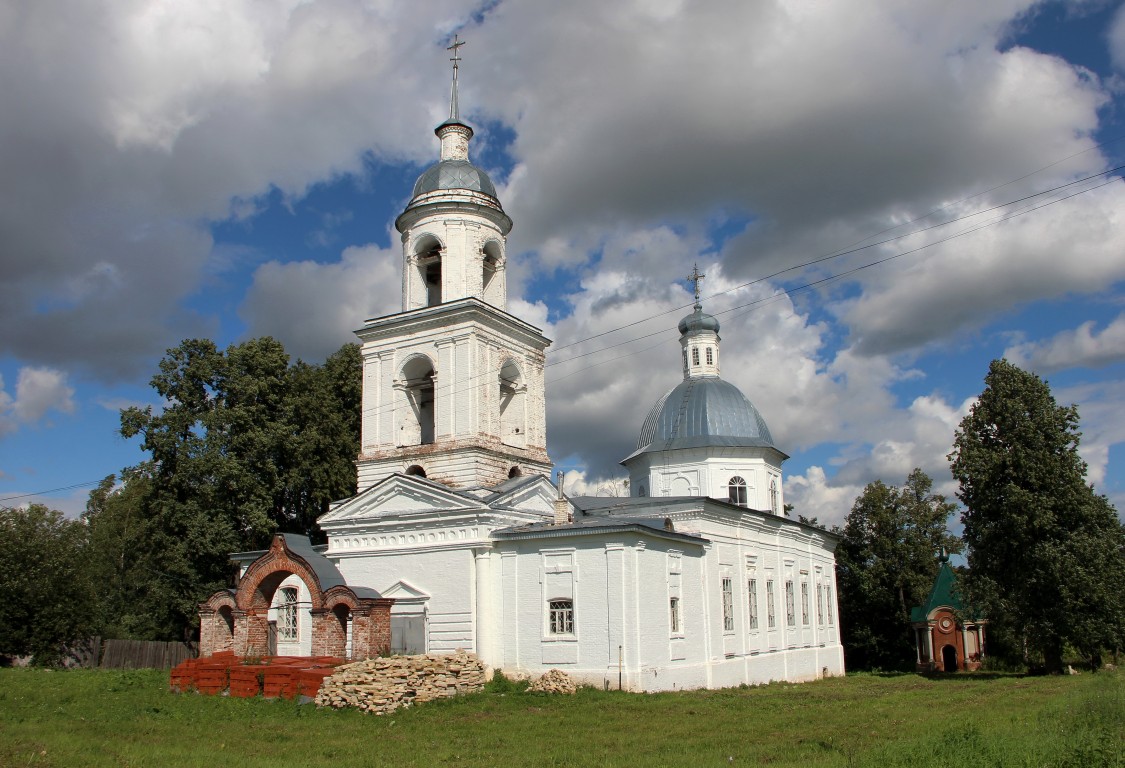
(458, 539)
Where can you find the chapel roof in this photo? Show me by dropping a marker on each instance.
(454, 174)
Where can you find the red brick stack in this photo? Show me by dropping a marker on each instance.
(273, 676)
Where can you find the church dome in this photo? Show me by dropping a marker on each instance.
(702, 412)
(699, 321)
(454, 174)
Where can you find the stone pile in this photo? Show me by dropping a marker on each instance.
(383, 685)
(554, 681)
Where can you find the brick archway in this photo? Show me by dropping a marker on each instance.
(237, 620)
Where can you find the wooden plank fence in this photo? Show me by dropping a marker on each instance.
(145, 654)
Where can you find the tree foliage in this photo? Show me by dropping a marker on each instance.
(245, 446)
(1045, 551)
(48, 597)
(886, 564)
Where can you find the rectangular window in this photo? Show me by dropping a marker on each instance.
(710, 357)
(805, 603)
(728, 605)
(771, 614)
(790, 608)
(820, 605)
(752, 600)
(287, 615)
(674, 614)
(695, 355)
(828, 599)
(561, 617)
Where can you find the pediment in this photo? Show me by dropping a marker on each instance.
(536, 496)
(404, 592)
(397, 495)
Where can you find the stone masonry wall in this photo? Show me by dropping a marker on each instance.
(385, 684)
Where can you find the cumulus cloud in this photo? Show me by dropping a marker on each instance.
(1081, 347)
(38, 392)
(314, 308)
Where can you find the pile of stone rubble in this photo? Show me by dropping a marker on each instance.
(554, 681)
(383, 685)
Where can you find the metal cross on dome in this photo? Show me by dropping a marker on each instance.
(695, 278)
(457, 43)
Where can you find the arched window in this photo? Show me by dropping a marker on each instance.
(417, 420)
(695, 355)
(416, 471)
(774, 496)
(641, 491)
(710, 356)
(736, 491)
(560, 618)
(514, 472)
(287, 627)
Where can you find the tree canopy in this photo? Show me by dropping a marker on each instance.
(49, 600)
(246, 445)
(1046, 553)
(886, 564)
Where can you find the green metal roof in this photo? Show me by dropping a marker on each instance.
(944, 594)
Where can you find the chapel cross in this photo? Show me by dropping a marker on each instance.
(695, 278)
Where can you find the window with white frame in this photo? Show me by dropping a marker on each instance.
(736, 491)
(774, 505)
(805, 603)
(695, 355)
(728, 604)
(710, 356)
(560, 618)
(771, 613)
(674, 614)
(752, 601)
(287, 629)
(790, 608)
(820, 605)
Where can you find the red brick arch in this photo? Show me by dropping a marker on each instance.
(248, 608)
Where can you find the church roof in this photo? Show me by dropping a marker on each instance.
(703, 412)
(699, 321)
(454, 174)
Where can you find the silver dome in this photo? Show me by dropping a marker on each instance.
(699, 321)
(701, 412)
(454, 174)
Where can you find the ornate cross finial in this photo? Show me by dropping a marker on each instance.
(695, 278)
(457, 43)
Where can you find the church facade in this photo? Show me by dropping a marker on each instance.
(458, 539)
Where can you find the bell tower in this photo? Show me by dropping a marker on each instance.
(453, 386)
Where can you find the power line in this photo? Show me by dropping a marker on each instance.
(51, 490)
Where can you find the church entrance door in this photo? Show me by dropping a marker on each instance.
(408, 633)
(949, 658)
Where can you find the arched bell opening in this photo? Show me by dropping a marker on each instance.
(513, 406)
(416, 425)
(416, 470)
(491, 284)
(428, 258)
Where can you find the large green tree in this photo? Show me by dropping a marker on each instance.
(48, 599)
(886, 564)
(1045, 551)
(245, 445)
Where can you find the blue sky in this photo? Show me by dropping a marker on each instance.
(229, 169)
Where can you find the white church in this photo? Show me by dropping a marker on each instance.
(457, 538)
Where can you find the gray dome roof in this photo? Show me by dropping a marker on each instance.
(699, 321)
(454, 174)
(701, 412)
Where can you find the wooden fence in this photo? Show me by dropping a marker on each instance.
(145, 654)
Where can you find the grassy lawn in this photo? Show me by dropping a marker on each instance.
(95, 718)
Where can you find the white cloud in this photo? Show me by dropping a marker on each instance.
(38, 392)
(1081, 347)
(1116, 39)
(314, 308)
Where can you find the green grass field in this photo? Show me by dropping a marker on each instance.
(103, 718)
